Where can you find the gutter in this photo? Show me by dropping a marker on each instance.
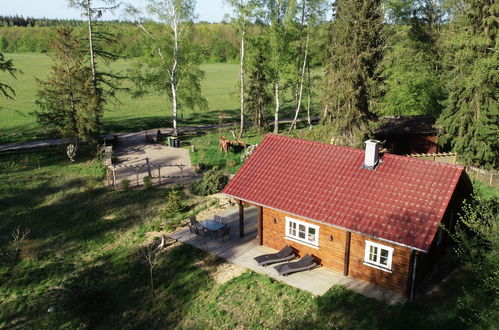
(327, 224)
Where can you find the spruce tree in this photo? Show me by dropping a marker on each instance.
(470, 118)
(7, 66)
(352, 77)
(67, 98)
(412, 66)
(258, 96)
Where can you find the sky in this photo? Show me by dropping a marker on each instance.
(207, 10)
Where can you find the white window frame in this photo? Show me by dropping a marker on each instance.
(296, 237)
(377, 263)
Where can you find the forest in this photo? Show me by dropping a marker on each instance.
(76, 251)
(434, 58)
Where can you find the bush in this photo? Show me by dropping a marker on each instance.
(125, 183)
(147, 182)
(212, 182)
(174, 203)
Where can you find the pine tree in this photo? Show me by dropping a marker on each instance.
(67, 98)
(470, 119)
(105, 83)
(352, 78)
(7, 66)
(258, 95)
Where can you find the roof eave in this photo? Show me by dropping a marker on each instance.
(328, 224)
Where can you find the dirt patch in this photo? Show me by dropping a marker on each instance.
(227, 271)
(221, 272)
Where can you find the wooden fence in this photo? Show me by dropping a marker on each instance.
(153, 171)
(445, 157)
(490, 178)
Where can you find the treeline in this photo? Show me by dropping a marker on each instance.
(380, 57)
(17, 20)
(218, 42)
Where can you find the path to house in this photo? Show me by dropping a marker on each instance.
(242, 251)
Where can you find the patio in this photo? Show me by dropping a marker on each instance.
(242, 251)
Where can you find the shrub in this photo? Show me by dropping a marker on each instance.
(212, 182)
(174, 203)
(230, 163)
(125, 183)
(147, 182)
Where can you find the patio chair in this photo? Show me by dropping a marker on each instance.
(192, 229)
(202, 232)
(193, 220)
(305, 263)
(224, 232)
(217, 218)
(287, 253)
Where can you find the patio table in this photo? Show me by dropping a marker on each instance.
(211, 225)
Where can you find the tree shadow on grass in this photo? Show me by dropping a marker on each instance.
(114, 291)
(341, 308)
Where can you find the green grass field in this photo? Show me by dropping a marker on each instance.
(16, 123)
(132, 114)
(81, 257)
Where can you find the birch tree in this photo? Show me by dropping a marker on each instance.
(172, 68)
(242, 12)
(311, 11)
(280, 16)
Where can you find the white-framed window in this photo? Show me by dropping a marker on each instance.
(378, 256)
(302, 232)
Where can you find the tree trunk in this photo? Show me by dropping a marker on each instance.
(90, 40)
(243, 33)
(277, 106)
(300, 91)
(173, 71)
(309, 95)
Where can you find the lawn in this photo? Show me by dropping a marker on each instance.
(220, 88)
(81, 257)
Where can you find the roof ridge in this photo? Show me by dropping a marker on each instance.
(299, 140)
(351, 149)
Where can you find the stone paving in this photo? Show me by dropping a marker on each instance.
(242, 251)
(133, 153)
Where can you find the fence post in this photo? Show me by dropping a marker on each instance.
(114, 178)
(159, 173)
(491, 174)
(137, 175)
(148, 167)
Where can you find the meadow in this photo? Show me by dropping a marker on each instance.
(81, 258)
(129, 114)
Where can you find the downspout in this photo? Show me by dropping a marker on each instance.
(414, 264)
(347, 253)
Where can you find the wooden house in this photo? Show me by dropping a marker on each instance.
(403, 135)
(372, 216)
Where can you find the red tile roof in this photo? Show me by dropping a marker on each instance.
(402, 201)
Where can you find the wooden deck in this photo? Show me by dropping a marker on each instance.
(242, 251)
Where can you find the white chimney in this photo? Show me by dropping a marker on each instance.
(371, 155)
